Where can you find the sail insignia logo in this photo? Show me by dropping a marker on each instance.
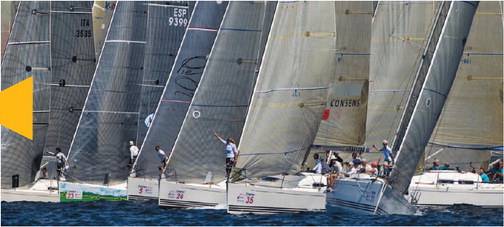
(176, 194)
(142, 189)
(247, 198)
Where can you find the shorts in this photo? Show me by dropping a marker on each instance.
(229, 162)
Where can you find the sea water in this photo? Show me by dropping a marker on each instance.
(149, 213)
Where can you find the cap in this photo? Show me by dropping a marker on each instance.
(385, 142)
(131, 142)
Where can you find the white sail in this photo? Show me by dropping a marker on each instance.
(289, 98)
(472, 116)
(433, 81)
(344, 119)
(399, 33)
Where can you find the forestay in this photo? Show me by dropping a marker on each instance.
(433, 82)
(399, 33)
(221, 101)
(27, 54)
(471, 122)
(344, 119)
(166, 25)
(182, 82)
(291, 90)
(108, 121)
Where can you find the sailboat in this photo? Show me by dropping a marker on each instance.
(72, 62)
(434, 75)
(186, 72)
(98, 155)
(284, 114)
(219, 105)
(470, 126)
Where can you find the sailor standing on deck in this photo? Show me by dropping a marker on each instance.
(60, 162)
(162, 157)
(231, 152)
(133, 152)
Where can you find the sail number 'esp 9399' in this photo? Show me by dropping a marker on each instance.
(179, 17)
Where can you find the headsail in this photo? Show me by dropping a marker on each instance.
(471, 122)
(166, 26)
(183, 81)
(223, 95)
(344, 119)
(399, 32)
(433, 81)
(110, 112)
(291, 90)
(27, 54)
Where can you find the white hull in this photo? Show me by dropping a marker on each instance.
(252, 198)
(178, 195)
(84, 192)
(446, 188)
(38, 192)
(363, 194)
(143, 188)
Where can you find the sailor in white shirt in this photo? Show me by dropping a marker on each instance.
(162, 157)
(149, 119)
(231, 152)
(133, 152)
(318, 165)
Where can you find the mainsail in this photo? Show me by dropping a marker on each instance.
(434, 78)
(344, 119)
(72, 68)
(27, 54)
(290, 94)
(399, 32)
(9, 9)
(182, 82)
(220, 103)
(471, 122)
(99, 148)
(166, 25)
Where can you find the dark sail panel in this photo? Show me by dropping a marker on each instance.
(182, 83)
(27, 54)
(73, 65)
(223, 95)
(166, 25)
(109, 117)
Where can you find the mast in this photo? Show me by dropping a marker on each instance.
(432, 84)
(27, 54)
(166, 25)
(220, 103)
(108, 120)
(290, 93)
(181, 84)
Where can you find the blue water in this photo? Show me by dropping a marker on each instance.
(145, 213)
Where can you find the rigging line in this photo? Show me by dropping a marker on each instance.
(150, 85)
(175, 101)
(208, 105)
(272, 153)
(203, 29)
